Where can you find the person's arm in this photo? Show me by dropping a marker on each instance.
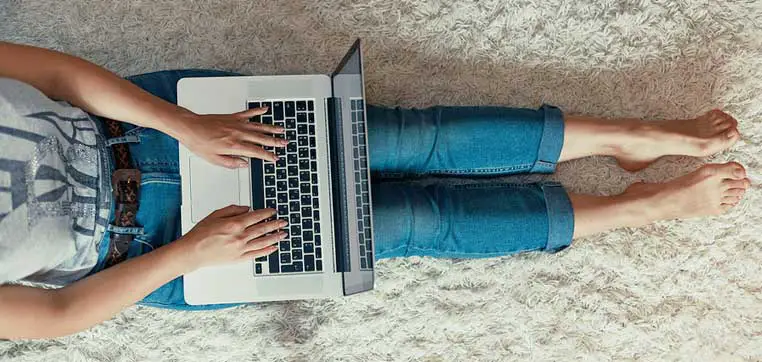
(217, 138)
(227, 235)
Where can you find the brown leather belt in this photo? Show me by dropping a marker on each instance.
(125, 186)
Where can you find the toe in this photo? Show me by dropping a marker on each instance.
(730, 170)
(734, 192)
(731, 200)
(737, 184)
(725, 207)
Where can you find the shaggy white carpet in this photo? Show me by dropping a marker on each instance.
(687, 290)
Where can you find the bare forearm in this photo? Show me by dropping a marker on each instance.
(40, 313)
(87, 86)
(104, 294)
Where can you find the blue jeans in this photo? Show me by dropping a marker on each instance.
(462, 221)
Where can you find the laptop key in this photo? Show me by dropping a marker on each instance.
(317, 241)
(293, 194)
(290, 109)
(273, 264)
(296, 254)
(302, 141)
(319, 265)
(306, 211)
(297, 266)
(270, 204)
(291, 135)
(295, 218)
(308, 248)
(282, 210)
(308, 236)
(294, 206)
(282, 186)
(266, 120)
(309, 263)
(292, 159)
(269, 108)
(293, 182)
(290, 123)
(285, 258)
(278, 111)
(270, 192)
(363, 263)
(313, 166)
(316, 215)
(296, 230)
(312, 130)
(296, 242)
(258, 268)
(304, 152)
(285, 245)
(293, 170)
(253, 105)
(301, 118)
(304, 176)
(281, 173)
(301, 106)
(302, 128)
(304, 188)
(280, 151)
(316, 228)
(287, 268)
(291, 147)
(311, 118)
(281, 163)
(306, 223)
(318, 253)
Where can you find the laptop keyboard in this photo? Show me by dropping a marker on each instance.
(290, 187)
(360, 157)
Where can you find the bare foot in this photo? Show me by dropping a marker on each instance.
(713, 132)
(711, 190)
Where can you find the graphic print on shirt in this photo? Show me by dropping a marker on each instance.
(50, 183)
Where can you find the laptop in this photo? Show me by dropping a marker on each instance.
(321, 185)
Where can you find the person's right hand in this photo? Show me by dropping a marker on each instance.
(231, 234)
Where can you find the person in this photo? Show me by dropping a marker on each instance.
(57, 212)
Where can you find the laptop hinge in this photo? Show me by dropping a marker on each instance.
(338, 184)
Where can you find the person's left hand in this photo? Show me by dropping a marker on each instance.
(227, 139)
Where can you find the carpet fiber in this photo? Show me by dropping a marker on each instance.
(683, 290)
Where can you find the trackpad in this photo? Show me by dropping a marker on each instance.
(296, 285)
(212, 187)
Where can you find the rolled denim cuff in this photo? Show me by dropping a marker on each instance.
(551, 141)
(560, 216)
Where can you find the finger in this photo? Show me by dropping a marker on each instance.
(245, 115)
(265, 241)
(230, 210)
(257, 253)
(254, 216)
(228, 161)
(257, 230)
(246, 149)
(263, 140)
(265, 128)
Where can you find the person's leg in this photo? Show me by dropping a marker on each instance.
(636, 143)
(464, 140)
(474, 221)
(497, 140)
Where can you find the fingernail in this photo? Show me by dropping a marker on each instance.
(731, 133)
(275, 158)
(284, 142)
(738, 173)
(281, 130)
(282, 223)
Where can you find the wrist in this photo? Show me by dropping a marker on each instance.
(173, 121)
(182, 255)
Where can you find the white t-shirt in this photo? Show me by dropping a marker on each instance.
(54, 197)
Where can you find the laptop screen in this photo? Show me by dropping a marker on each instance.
(351, 175)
